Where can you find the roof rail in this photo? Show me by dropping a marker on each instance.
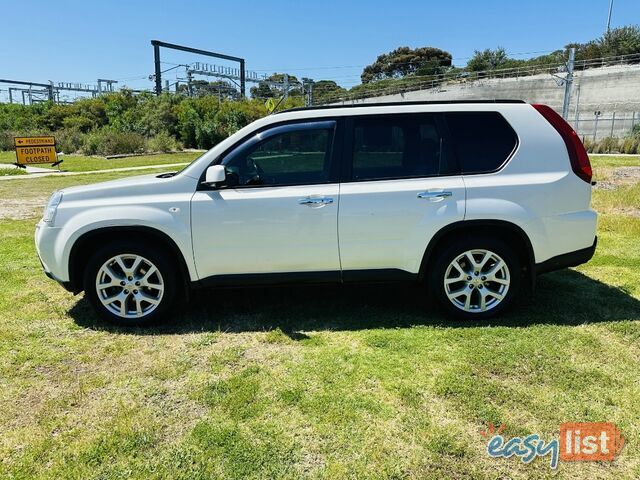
(391, 104)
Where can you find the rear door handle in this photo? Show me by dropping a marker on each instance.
(315, 201)
(435, 196)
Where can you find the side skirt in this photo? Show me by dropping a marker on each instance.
(296, 278)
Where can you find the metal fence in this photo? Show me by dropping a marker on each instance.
(598, 125)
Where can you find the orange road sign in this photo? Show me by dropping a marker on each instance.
(34, 155)
(34, 141)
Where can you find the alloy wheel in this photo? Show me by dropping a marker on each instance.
(477, 280)
(129, 286)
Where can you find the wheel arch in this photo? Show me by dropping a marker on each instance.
(85, 245)
(505, 229)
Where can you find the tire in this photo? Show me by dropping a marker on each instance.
(480, 289)
(130, 284)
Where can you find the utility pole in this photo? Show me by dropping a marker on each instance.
(189, 83)
(242, 79)
(577, 111)
(156, 64)
(310, 94)
(286, 86)
(568, 83)
(609, 17)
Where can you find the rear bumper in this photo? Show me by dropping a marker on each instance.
(571, 259)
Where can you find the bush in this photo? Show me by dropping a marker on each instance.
(608, 145)
(630, 145)
(163, 142)
(6, 140)
(589, 145)
(107, 141)
(69, 140)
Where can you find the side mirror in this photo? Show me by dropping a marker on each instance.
(215, 174)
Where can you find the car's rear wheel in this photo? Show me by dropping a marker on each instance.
(130, 285)
(476, 278)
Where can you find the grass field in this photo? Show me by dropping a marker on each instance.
(79, 163)
(319, 382)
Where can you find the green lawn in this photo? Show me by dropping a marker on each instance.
(318, 382)
(79, 163)
(12, 172)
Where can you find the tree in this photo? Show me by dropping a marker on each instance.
(326, 91)
(620, 41)
(405, 61)
(617, 41)
(263, 91)
(487, 59)
(274, 86)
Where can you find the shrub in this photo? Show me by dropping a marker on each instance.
(163, 142)
(589, 145)
(69, 140)
(111, 142)
(608, 145)
(630, 145)
(6, 140)
(6, 136)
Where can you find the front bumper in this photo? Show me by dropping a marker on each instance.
(68, 286)
(45, 240)
(571, 259)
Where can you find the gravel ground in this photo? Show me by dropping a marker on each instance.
(620, 176)
(19, 209)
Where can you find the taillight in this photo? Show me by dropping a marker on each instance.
(577, 154)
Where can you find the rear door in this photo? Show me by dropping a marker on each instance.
(399, 188)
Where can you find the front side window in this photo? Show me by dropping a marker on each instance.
(293, 157)
(403, 146)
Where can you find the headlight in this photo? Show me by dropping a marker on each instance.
(49, 214)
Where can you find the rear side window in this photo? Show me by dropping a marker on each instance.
(399, 146)
(483, 141)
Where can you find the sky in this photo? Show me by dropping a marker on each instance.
(80, 41)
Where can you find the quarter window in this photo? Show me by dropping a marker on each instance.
(483, 141)
(294, 157)
(401, 146)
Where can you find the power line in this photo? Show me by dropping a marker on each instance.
(335, 67)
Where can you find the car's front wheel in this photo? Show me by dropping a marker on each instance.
(476, 278)
(129, 284)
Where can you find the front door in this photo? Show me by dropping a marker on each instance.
(277, 212)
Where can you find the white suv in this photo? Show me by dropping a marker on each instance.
(472, 198)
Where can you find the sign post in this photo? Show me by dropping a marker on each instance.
(36, 150)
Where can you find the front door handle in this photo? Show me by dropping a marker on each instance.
(434, 196)
(315, 201)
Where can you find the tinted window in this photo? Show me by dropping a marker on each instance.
(396, 147)
(290, 158)
(482, 140)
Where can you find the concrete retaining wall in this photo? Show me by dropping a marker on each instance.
(613, 91)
